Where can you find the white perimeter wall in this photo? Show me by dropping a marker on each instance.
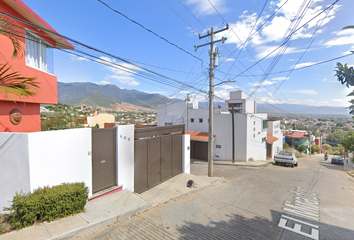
(275, 131)
(186, 154)
(14, 166)
(223, 132)
(61, 156)
(256, 148)
(125, 149)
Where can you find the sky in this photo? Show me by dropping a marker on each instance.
(268, 53)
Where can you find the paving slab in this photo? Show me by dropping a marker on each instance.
(37, 232)
(177, 187)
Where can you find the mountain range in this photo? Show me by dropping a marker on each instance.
(105, 95)
(285, 108)
(110, 95)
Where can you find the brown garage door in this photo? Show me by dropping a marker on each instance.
(103, 159)
(157, 155)
(199, 150)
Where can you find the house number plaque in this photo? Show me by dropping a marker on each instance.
(15, 116)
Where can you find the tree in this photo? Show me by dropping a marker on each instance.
(344, 74)
(301, 148)
(348, 142)
(13, 83)
(63, 116)
(327, 148)
(6, 30)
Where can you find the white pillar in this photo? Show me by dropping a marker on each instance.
(186, 155)
(125, 156)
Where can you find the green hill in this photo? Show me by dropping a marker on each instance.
(90, 93)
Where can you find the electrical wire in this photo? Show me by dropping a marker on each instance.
(150, 31)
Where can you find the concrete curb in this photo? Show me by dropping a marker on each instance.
(237, 164)
(97, 225)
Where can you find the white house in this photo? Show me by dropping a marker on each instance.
(253, 139)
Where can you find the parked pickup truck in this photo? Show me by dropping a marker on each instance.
(286, 157)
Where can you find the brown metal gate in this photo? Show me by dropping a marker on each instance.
(103, 159)
(157, 155)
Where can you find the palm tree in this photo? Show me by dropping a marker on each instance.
(345, 74)
(13, 83)
(6, 30)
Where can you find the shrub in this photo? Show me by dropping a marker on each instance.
(301, 148)
(285, 145)
(47, 204)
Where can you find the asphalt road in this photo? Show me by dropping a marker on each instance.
(312, 201)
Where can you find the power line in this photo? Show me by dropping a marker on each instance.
(90, 56)
(150, 30)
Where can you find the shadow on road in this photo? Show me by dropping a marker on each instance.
(241, 227)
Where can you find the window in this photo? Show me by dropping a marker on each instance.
(254, 129)
(254, 122)
(218, 146)
(200, 120)
(192, 120)
(254, 135)
(265, 124)
(238, 110)
(38, 53)
(238, 105)
(168, 124)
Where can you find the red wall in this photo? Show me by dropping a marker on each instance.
(29, 106)
(31, 118)
(48, 82)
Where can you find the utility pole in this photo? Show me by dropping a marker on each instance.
(187, 109)
(211, 92)
(309, 141)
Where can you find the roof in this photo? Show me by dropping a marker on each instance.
(271, 139)
(32, 17)
(296, 135)
(199, 136)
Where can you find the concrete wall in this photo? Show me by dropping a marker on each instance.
(196, 114)
(256, 136)
(125, 156)
(275, 131)
(186, 155)
(14, 166)
(60, 156)
(32, 160)
(240, 137)
(223, 132)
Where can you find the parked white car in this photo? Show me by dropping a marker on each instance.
(286, 157)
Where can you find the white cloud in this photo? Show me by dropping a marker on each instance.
(280, 78)
(202, 7)
(276, 29)
(103, 83)
(300, 65)
(154, 92)
(325, 79)
(229, 59)
(228, 86)
(306, 91)
(264, 83)
(223, 94)
(122, 72)
(77, 58)
(125, 80)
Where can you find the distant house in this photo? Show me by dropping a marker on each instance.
(295, 139)
(38, 43)
(254, 139)
(100, 119)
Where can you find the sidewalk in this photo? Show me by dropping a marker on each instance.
(112, 208)
(263, 163)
